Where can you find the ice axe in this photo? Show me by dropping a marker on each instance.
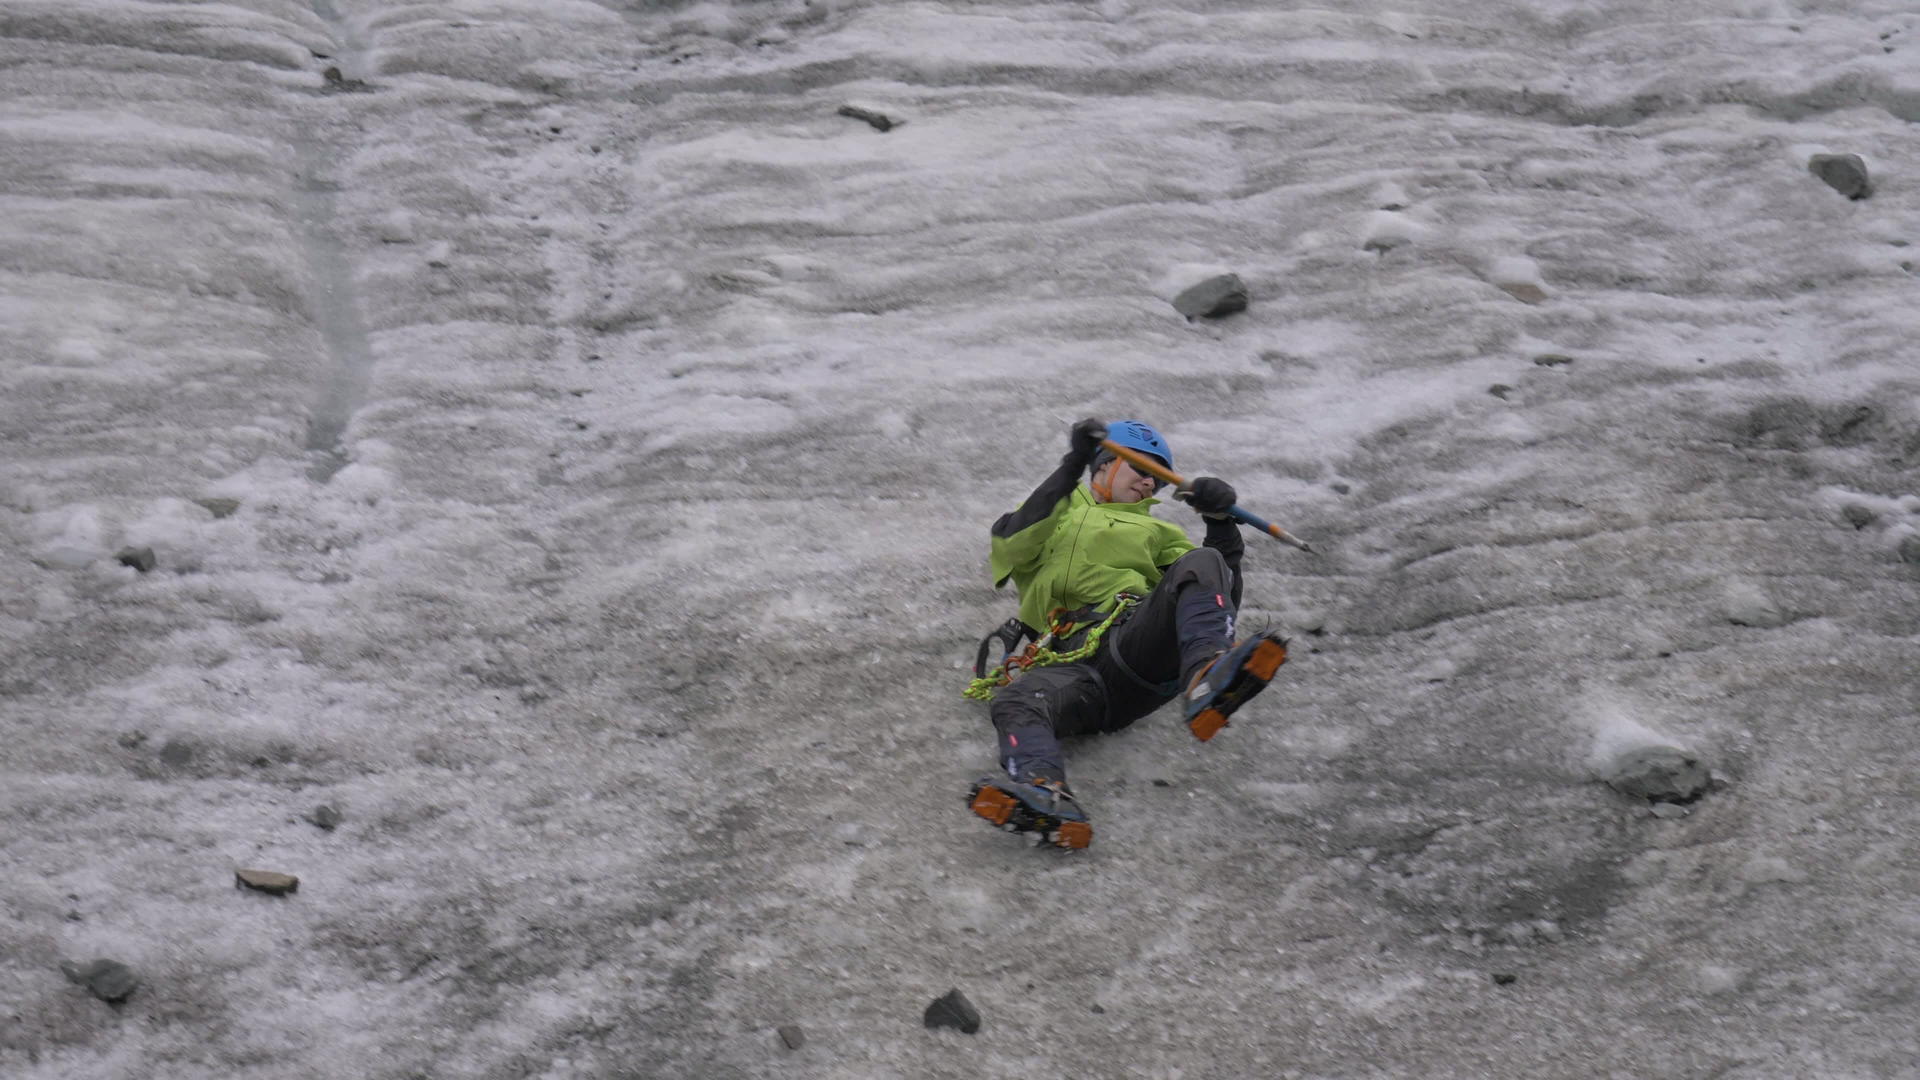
(1151, 467)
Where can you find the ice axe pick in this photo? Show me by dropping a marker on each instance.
(1153, 468)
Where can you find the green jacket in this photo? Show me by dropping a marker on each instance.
(1081, 553)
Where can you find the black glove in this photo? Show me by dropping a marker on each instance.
(1211, 496)
(1084, 440)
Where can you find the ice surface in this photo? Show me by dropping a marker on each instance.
(612, 427)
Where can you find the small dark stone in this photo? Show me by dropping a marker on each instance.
(1503, 978)
(1098, 1009)
(338, 83)
(793, 1036)
(1163, 783)
(1844, 173)
(879, 121)
(266, 881)
(1553, 360)
(109, 980)
(177, 753)
(1212, 298)
(140, 558)
(1661, 774)
(1500, 390)
(1342, 489)
(325, 818)
(1858, 516)
(952, 1009)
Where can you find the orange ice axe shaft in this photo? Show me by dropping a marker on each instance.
(1151, 467)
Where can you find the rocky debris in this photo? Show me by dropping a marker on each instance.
(219, 506)
(1505, 978)
(1500, 390)
(1212, 298)
(177, 753)
(952, 1009)
(1552, 360)
(1659, 774)
(1857, 516)
(140, 558)
(879, 121)
(109, 980)
(1844, 173)
(325, 818)
(1667, 811)
(266, 881)
(337, 83)
(791, 1035)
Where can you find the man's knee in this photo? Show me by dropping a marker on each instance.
(1203, 566)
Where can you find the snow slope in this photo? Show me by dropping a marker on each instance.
(567, 443)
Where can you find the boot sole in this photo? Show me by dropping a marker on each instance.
(1255, 672)
(1008, 812)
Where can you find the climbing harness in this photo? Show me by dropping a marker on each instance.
(1041, 652)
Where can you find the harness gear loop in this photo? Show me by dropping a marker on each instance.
(1042, 654)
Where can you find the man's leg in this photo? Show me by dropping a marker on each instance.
(1184, 623)
(1033, 713)
(1030, 716)
(1180, 642)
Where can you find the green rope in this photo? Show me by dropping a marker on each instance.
(1039, 655)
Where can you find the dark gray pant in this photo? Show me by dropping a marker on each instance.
(1185, 621)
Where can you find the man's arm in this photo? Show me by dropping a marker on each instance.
(1223, 535)
(1016, 543)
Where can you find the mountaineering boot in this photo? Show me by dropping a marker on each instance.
(1230, 681)
(1044, 806)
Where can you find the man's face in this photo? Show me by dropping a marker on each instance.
(1127, 484)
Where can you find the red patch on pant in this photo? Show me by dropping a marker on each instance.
(1013, 740)
(1219, 601)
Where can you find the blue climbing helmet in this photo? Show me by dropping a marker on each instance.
(1138, 435)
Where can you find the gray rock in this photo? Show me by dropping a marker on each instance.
(1844, 173)
(1500, 390)
(325, 817)
(1553, 360)
(1858, 516)
(1667, 811)
(1212, 298)
(177, 753)
(1661, 774)
(952, 1009)
(793, 1036)
(109, 980)
(879, 121)
(266, 881)
(337, 83)
(140, 558)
